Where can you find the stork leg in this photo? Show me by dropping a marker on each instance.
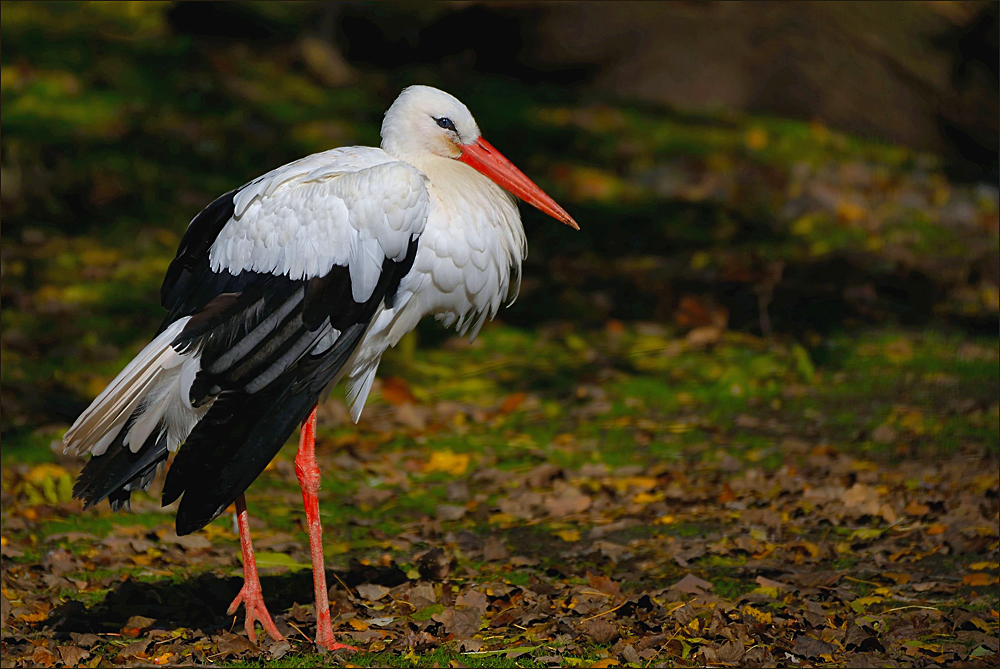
(308, 473)
(251, 596)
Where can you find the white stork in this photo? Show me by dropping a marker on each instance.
(281, 287)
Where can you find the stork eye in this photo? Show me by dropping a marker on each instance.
(446, 123)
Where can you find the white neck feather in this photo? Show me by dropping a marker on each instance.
(473, 200)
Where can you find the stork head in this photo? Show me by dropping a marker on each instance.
(426, 121)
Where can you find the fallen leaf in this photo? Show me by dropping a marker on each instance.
(397, 391)
(449, 511)
(692, 585)
(43, 657)
(473, 599)
(763, 617)
(71, 655)
(448, 462)
(604, 584)
(494, 549)
(600, 630)
(461, 623)
(372, 592)
(980, 579)
(807, 646)
(136, 649)
(915, 508)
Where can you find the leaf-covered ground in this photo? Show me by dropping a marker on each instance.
(747, 416)
(624, 496)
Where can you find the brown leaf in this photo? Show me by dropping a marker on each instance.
(461, 623)
(372, 592)
(692, 585)
(493, 549)
(423, 592)
(235, 644)
(473, 599)
(136, 625)
(397, 391)
(189, 541)
(765, 582)
(136, 649)
(570, 501)
(43, 657)
(411, 416)
(4, 610)
(600, 630)
(59, 562)
(512, 403)
(730, 652)
(807, 646)
(85, 640)
(71, 655)
(278, 650)
(915, 508)
(884, 434)
(602, 583)
(449, 511)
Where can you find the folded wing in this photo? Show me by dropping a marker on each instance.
(272, 288)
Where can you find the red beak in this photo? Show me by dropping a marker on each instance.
(482, 157)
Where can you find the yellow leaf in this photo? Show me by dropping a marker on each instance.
(980, 579)
(648, 498)
(936, 528)
(700, 260)
(448, 461)
(862, 603)
(763, 617)
(32, 617)
(665, 520)
(979, 566)
(849, 212)
(569, 535)
(41, 473)
(756, 138)
(359, 625)
(899, 351)
(606, 662)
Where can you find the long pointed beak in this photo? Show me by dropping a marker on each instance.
(482, 157)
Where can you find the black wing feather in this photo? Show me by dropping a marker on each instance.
(261, 392)
(245, 428)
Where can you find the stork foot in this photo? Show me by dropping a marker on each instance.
(324, 639)
(256, 612)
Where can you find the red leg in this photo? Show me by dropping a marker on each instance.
(308, 472)
(251, 595)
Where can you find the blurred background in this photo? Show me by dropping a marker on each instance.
(789, 172)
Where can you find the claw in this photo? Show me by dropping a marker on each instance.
(256, 612)
(250, 595)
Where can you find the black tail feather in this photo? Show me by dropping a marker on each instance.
(242, 433)
(221, 459)
(118, 471)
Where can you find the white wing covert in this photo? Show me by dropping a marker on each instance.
(352, 208)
